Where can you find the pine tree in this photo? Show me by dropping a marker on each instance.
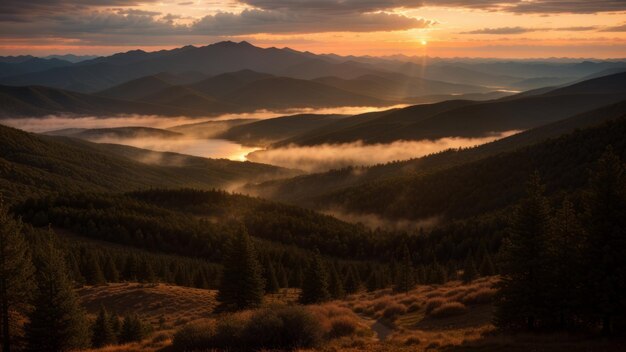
(102, 330)
(270, 279)
(606, 241)
(16, 273)
(111, 273)
(335, 286)
(405, 280)
(242, 282)
(566, 262)
(58, 322)
(93, 272)
(132, 330)
(469, 270)
(146, 273)
(315, 284)
(351, 284)
(283, 280)
(523, 286)
(486, 266)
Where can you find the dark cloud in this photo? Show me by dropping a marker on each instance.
(272, 21)
(503, 30)
(23, 11)
(521, 30)
(620, 28)
(517, 6)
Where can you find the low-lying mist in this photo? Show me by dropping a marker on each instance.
(206, 148)
(331, 156)
(374, 221)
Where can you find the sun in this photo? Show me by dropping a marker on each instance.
(423, 42)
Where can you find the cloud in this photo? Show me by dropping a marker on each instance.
(325, 157)
(521, 30)
(271, 21)
(620, 28)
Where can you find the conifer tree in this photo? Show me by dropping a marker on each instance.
(93, 272)
(405, 279)
(16, 273)
(57, 322)
(132, 330)
(335, 284)
(111, 273)
(566, 262)
(242, 282)
(486, 266)
(283, 280)
(469, 270)
(352, 284)
(315, 284)
(102, 330)
(524, 284)
(606, 241)
(271, 281)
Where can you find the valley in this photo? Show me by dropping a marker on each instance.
(239, 197)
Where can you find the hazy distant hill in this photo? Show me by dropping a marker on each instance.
(28, 64)
(41, 101)
(398, 87)
(303, 189)
(34, 164)
(115, 132)
(209, 129)
(267, 131)
(475, 119)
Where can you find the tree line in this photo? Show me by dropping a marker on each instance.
(565, 268)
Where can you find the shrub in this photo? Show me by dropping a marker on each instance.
(393, 310)
(414, 307)
(434, 303)
(482, 296)
(449, 309)
(194, 337)
(342, 326)
(284, 328)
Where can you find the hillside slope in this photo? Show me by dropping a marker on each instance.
(32, 164)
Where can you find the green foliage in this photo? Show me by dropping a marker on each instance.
(242, 283)
(335, 284)
(102, 330)
(132, 330)
(405, 279)
(606, 241)
(469, 270)
(524, 287)
(276, 328)
(16, 274)
(57, 322)
(315, 284)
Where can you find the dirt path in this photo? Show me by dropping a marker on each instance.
(380, 329)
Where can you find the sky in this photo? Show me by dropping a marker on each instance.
(436, 28)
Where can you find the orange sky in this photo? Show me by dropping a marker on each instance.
(443, 31)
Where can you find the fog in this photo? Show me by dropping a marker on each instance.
(57, 122)
(207, 148)
(329, 156)
(374, 221)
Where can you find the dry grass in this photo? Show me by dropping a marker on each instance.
(176, 305)
(449, 309)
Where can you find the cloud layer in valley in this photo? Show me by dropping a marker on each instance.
(331, 156)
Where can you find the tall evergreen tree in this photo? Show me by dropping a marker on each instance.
(565, 249)
(102, 330)
(58, 322)
(271, 282)
(352, 284)
(335, 284)
(110, 271)
(315, 283)
(486, 266)
(469, 270)
(606, 245)
(242, 282)
(132, 330)
(405, 280)
(93, 272)
(524, 285)
(16, 273)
